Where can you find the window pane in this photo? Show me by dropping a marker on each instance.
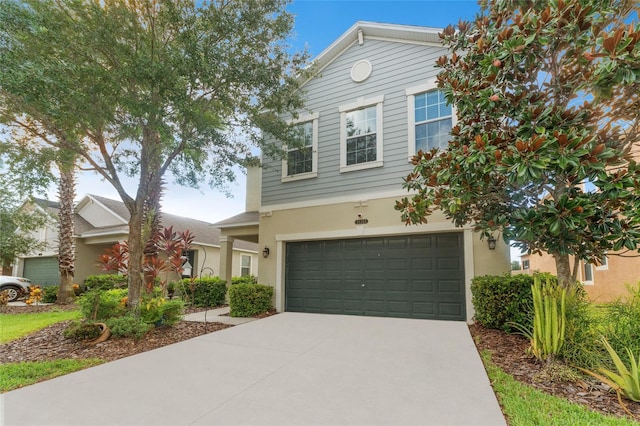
(421, 100)
(433, 111)
(361, 135)
(588, 272)
(434, 134)
(300, 161)
(360, 122)
(245, 268)
(432, 97)
(361, 149)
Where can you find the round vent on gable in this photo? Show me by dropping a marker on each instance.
(361, 70)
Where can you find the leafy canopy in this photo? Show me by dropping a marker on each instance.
(548, 99)
(149, 88)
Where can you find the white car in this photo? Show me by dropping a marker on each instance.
(15, 287)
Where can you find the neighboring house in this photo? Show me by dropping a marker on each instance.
(603, 283)
(324, 217)
(101, 222)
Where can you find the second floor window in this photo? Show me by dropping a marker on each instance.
(300, 160)
(430, 118)
(361, 134)
(433, 121)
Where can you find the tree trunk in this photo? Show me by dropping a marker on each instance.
(563, 266)
(134, 271)
(66, 242)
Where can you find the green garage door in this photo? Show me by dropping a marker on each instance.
(42, 270)
(416, 276)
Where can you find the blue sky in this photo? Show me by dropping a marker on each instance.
(318, 24)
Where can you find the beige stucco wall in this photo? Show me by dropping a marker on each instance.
(336, 221)
(609, 282)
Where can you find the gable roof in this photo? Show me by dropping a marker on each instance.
(376, 30)
(205, 233)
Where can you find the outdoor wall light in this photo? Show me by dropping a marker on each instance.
(492, 243)
(265, 252)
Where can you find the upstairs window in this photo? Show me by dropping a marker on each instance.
(525, 264)
(433, 121)
(430, 118)
(361, 134)
(302, 162)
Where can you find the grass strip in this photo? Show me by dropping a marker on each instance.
(14, 326)
(526, 406)
(17, 375)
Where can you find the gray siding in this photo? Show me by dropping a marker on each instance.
(396, 66)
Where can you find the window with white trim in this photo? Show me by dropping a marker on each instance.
(361, 134)
(245, 266)
(525, 264)
(302, 161)
(430, 118)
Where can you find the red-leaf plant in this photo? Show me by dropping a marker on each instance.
(173, 245)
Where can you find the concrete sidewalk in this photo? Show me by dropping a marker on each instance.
(217, 315)
(288, 369)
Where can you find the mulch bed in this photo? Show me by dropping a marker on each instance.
(508, 351)
(49, 343)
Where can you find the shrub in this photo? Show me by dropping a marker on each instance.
(105, 282)
(82, 330)
(101, 305)
(247, 279)
(50, 294)
(246, 300)
(128, 326)
(581, 347)
(159, 311)
(501, 300)
(204, 292)
(622, 322)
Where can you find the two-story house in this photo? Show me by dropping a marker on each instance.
(324, 216)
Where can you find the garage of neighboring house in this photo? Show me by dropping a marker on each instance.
(42, 271)
(408, 276)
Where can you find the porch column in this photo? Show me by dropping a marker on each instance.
(226, 258)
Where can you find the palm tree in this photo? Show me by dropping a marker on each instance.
(66, 241)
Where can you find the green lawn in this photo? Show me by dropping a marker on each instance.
(16, 375)
(13, 326)
(526, 406)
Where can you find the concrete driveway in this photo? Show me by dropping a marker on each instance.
(289, 369)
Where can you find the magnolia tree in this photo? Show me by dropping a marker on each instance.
(548, 103)
(150, 89)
